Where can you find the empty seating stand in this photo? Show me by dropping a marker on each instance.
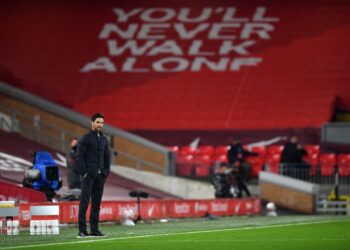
(202, 161)
(276, 93)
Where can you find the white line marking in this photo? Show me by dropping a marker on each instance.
(231, 240)
(178, 233)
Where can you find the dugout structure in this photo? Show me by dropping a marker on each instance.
(297, 195)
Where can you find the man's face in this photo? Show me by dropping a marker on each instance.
(97, 125)
(74, 143)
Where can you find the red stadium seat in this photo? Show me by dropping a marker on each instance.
(257, 164)
(184, 165)
(205, 150)
(344, 164)
(312, 159)
(220, 158)
(273, 163)
(187, 150)
(274, 149)
(327, 164)
(261, 150)
(202, 164)
(312, 149)
(220, 150)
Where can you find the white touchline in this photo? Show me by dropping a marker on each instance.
(232, 240)
(168, 234)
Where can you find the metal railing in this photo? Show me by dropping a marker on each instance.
(164, 158)
(5, 124)
(326, 178)
(139, 162)
(333, 206)
(313, 174)
(33, 128)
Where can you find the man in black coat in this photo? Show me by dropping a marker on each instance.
(236, 156)
(94, 163)
(292, 159)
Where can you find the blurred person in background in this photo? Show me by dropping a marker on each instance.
(292, 159)
(236, 156)
(241, 169)
(73, 177)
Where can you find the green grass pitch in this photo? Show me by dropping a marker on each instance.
(239, 233)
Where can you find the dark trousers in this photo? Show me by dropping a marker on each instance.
(91, 188)
(241, 186)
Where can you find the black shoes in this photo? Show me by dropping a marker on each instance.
(83, 234)
(97, 234)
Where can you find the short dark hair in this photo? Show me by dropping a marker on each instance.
(96, 115)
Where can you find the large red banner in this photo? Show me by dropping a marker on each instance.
(172, 39)
(210, 65)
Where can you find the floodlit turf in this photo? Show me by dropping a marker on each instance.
(258, 233)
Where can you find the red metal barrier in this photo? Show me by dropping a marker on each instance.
(10, 191)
